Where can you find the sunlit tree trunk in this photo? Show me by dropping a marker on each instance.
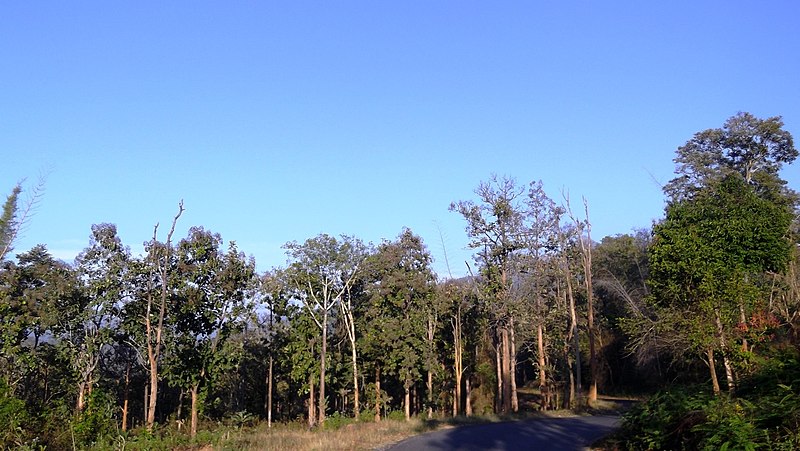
(154, 336)
(506, 368)
(431, 331)
(195, 402)
(350, 327)
(573, 334)
(407, 400)
(457, 358)
(469, 397)
(377, 394)
(513, 368)
(712, 368)
(311, 407)
(586, 248)
(543, 389)
(724, 350)
(125, 396)
(322, 365)
(269, 392)
(499, 366)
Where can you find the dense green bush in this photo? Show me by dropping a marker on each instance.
(14, 419)
(97, 420)
(763, 414)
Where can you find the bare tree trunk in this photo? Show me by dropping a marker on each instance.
(574, 335)
(350, 326)
(407, 400)
(151, 408)
(322, 363)
(713, 370)
(506, 371)
(429, 386)
(586, 258)
(154, 336)
(469, 398)
(587, 263)
(311, 410)
(81, 402)
(269, 392)
(194, 409)
(724, 349)
(743, 320)
(513, 369)
(499, 364)
(356, 404)
(431, 336)
(179, 414)
(576, 389)
(125, 397)
(543, 389)
(458, 360)
(569, 398)
(377, 394)
(268, 406)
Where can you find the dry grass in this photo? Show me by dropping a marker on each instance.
(354, 436)
(366, 435)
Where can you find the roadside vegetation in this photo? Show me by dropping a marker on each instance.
(764, 413)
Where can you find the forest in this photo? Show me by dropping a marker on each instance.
(699, 315)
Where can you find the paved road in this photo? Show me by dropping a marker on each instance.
(556, 434)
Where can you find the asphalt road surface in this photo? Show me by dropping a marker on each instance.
(556, 434)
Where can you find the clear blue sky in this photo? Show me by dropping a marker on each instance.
(279, 121)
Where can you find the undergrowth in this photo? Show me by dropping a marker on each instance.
(764, 413)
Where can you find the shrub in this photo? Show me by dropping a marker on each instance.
(14, 419)
(763, 413)
(97, 420)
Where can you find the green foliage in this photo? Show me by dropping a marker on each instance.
(396, 415)
(752, 148)
(14, 419)
(338, 420)
(97, 420)
(710, 259)
(764, 414)
(241, 419)
(660, 422)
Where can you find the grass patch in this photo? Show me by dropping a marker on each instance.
(351, 436)
(339, 432)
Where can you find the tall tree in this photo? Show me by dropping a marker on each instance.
(495, 229)
(727, 223)
(709, 255)
(159, 265)
(36, 295)
(541, 242)
(586, 245)
(215, 291)
(323, 269)
(102, 268)
(402, 293)
(274, 298)
(753, 148)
